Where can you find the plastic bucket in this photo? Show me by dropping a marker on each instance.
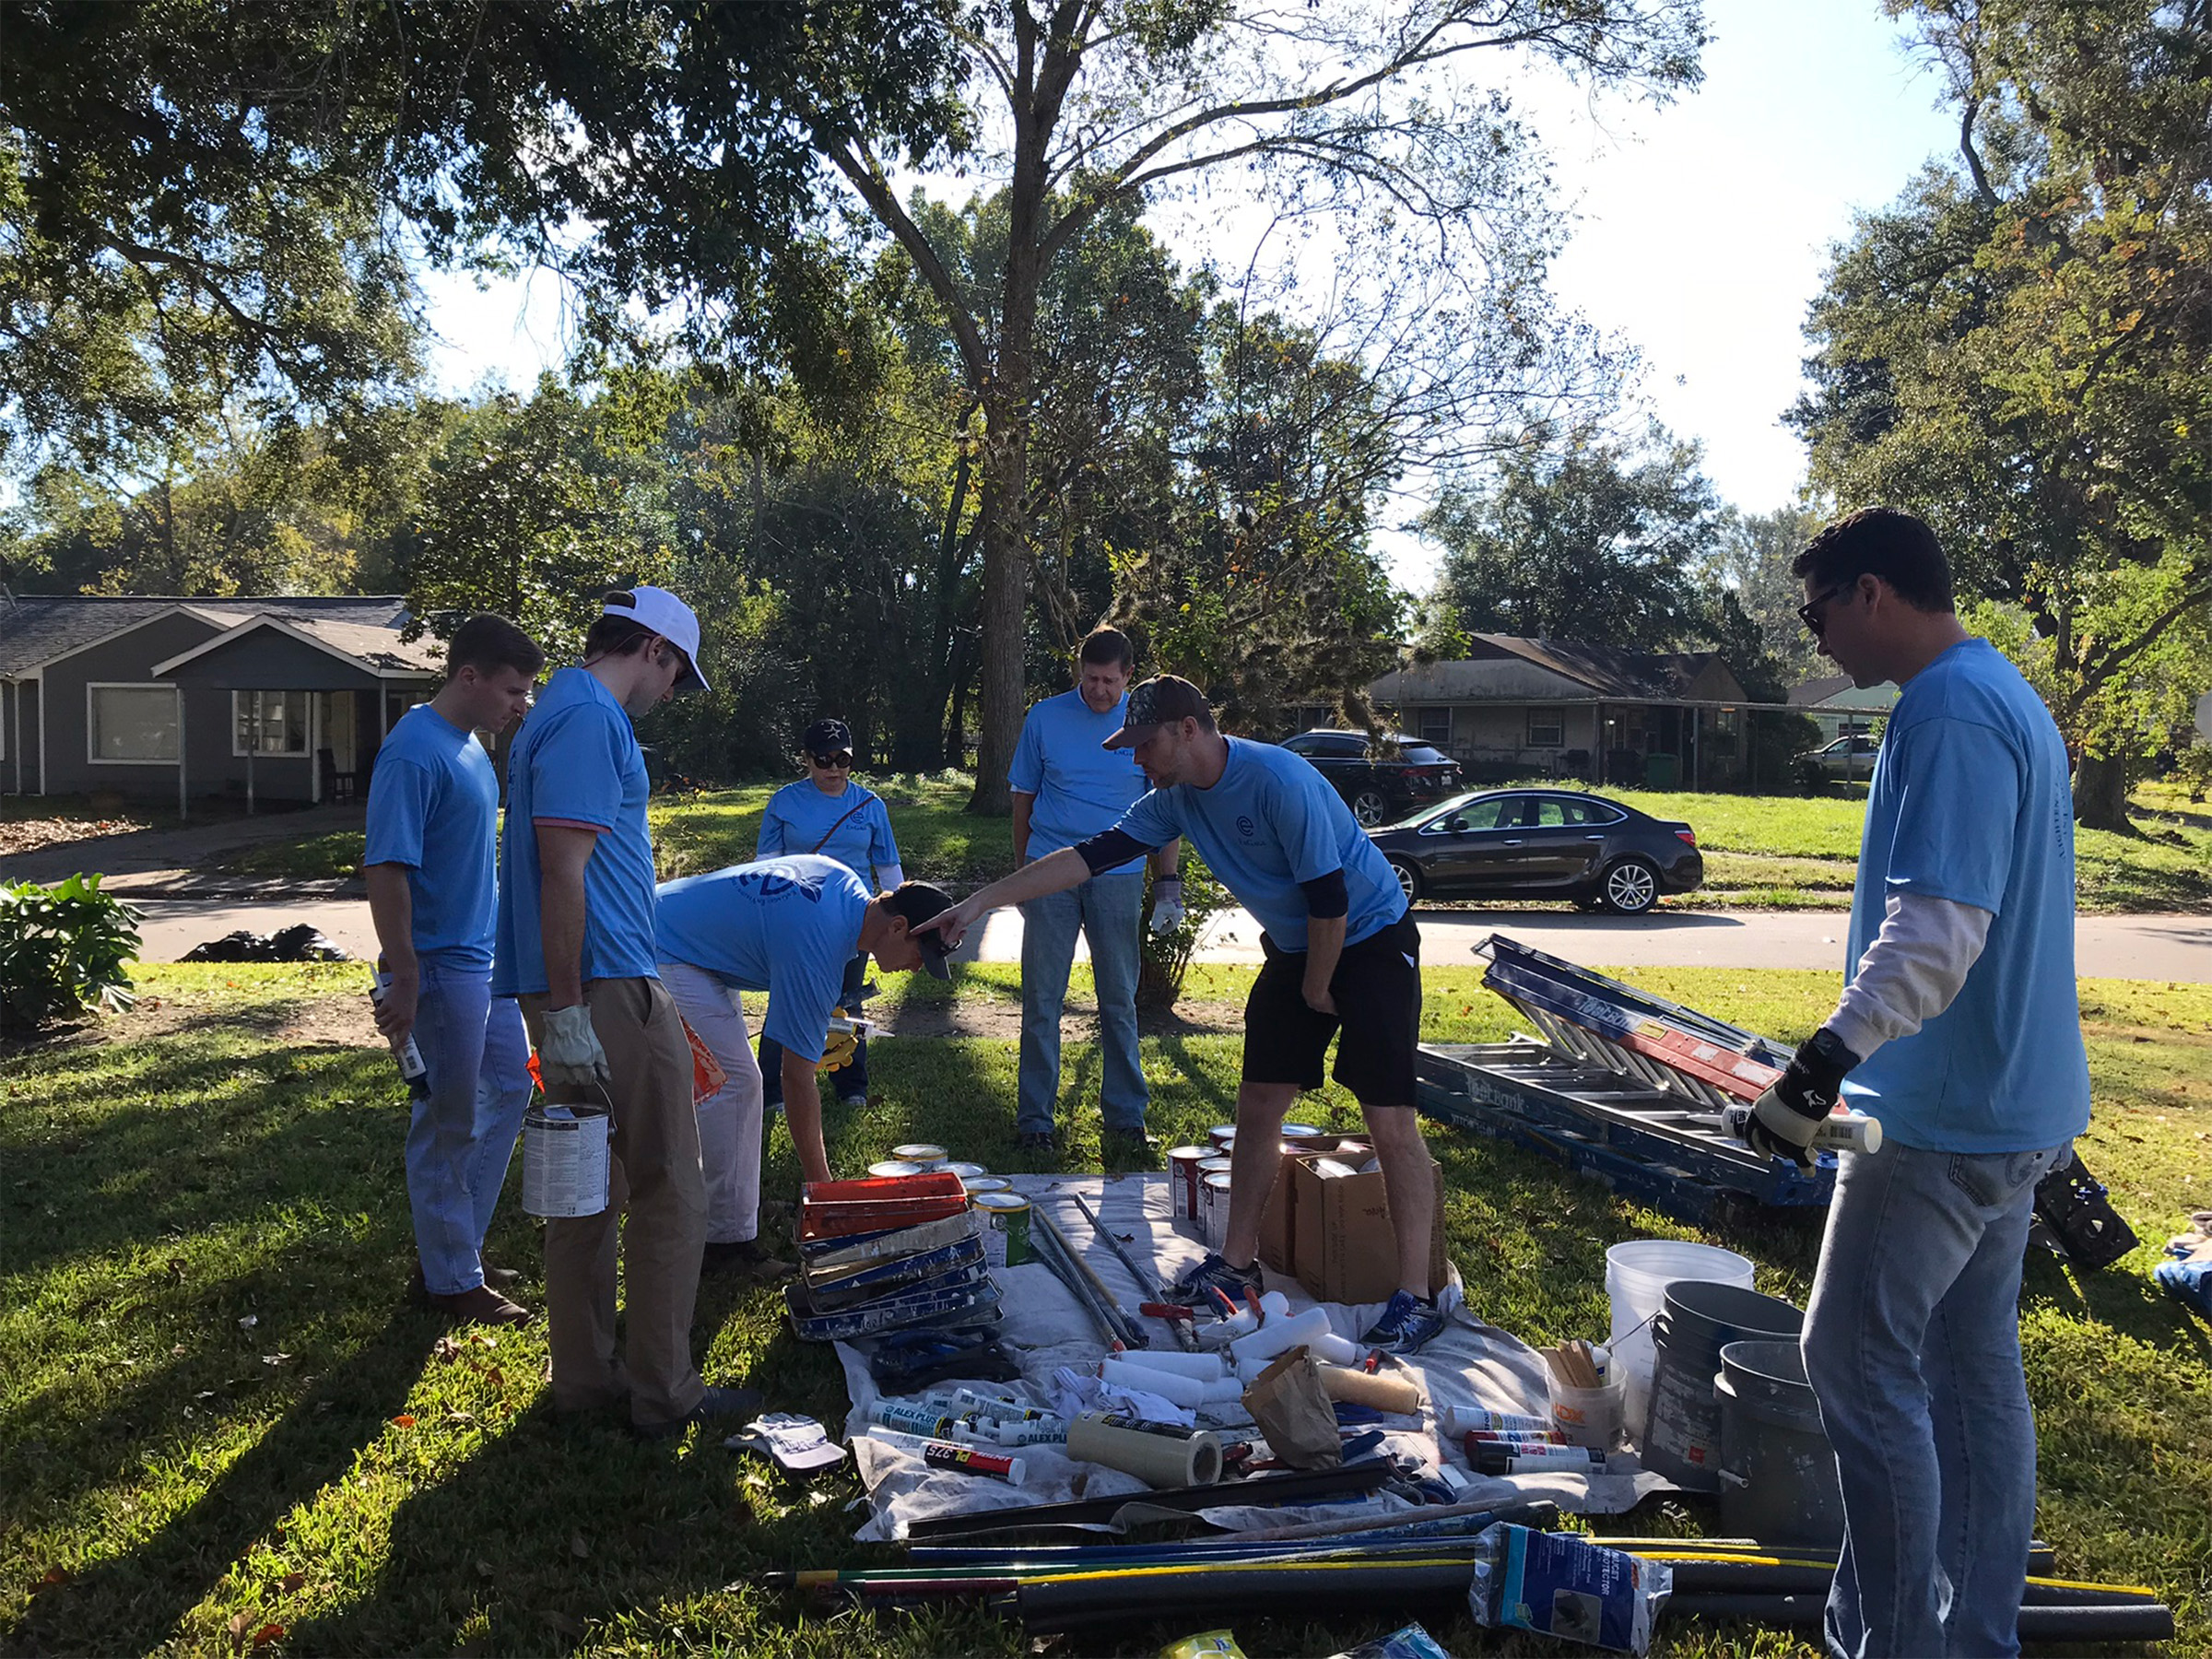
(1590, 1416)
(1696, 1320)
(564, 1161)
(1778, 1472)
(1637, 1275)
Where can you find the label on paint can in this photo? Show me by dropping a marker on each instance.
(1006, 1228)
(1182, 1180)
(1214, 1208)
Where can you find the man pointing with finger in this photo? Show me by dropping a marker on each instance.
(1342, 953)
(576, 946)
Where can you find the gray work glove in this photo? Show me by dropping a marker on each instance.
(569, 1060)
(1782, 1121)
(1167, 905)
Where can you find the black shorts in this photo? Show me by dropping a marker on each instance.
(1377, 989)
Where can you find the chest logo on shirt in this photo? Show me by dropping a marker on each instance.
(1246, 828)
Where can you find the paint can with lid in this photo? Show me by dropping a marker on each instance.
(1222, 1135)
(965, 1171)
(926, 1153)
(889, 1169)
(565, 1160)
(1006, 1228)
(1214, 1209)
(1182, 1184)
(1301, 1131)
(974, 1184)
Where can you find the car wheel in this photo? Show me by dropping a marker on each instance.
(1409, 879)
(1370, 806)
(1630, 887)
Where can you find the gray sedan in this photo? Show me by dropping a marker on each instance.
(1542, 844)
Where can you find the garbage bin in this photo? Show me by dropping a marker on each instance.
(1662, 771)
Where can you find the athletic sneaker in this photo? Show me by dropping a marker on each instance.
(1408, 1324)
(1197, 1288)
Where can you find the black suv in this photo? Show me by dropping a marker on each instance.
(1380, 783)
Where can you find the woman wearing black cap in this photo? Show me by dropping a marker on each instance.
(826, 812)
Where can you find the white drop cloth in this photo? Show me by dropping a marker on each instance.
(1044, 1327)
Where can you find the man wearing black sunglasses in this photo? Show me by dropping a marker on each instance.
(1960, 1028)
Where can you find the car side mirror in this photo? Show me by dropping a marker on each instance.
(1456, 825)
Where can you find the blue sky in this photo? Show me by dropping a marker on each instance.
(1702, 229)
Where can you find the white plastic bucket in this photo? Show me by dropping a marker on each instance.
(1637, 1275)
(564, 1160)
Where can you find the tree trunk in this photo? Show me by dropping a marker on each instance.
(2101, 793)
(1004, 609)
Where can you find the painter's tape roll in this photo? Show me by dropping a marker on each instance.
(1362, 1388)
(1207, 1368)
(1160, 1455)
(1187, 1392)
(1279, 1336)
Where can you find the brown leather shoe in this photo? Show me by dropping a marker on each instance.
(498, 1279)
(482, 1306)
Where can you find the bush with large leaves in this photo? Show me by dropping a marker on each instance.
(62, 950)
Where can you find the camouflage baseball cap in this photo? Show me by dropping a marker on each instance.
(1161, 700)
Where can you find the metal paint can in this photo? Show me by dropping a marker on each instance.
(928, 1156)
(1182, 1180)
(891, 1167)
(973, 1185)
(965, 1171)
(1223, 1137)
(1006, 1228)
(1214, 1208)
(1301, 1131)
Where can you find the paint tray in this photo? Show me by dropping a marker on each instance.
(818, 1255)
(830, 1209)
(827, 1291)
(960, 1297)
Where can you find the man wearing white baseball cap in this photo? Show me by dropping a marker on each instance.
(575, 944)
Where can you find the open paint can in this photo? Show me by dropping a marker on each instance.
(1223, 1135)
(1301, 1131)
(1214, 1209)
(973, 1185)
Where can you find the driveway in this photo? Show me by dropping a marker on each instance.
(2153, 948)
(156, 853)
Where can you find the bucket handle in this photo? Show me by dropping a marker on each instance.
(602, 1106)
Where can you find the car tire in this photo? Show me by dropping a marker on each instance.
(1370, 806)
(1588, 901)
(1409, 878)
(1629, 887)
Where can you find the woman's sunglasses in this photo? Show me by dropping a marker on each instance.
(827, 761)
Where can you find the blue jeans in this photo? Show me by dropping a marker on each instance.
(849, 1081)
(1913, 1345)
(463, 1130)
(1109, 911)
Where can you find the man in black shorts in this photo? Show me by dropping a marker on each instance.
(1341, 954)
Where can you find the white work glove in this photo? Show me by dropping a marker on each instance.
(1167, 906)
(569, 1060)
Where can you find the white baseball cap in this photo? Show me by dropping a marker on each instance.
(667, 616)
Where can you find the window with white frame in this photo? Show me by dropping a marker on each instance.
(1547, 728)
(268, 723)
(131, 724)
(1435, 726)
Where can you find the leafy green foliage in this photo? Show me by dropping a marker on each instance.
(62, 950)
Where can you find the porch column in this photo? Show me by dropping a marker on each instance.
(314, 754)
(184, 799)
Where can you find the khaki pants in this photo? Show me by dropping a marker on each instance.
(655, 1177)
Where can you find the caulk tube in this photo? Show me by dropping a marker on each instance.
(911, 1417)
(1516, 1437)
(996, 1432)
(1459, 1420)
(1839, 1131)
(1004, 1410)
(1532, 1459)
(943, 1454)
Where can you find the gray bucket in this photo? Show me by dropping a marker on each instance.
(1778, 1472)
(1697, 1319)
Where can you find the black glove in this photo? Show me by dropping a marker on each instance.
(1782, 1121)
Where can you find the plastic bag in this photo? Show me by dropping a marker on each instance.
(1558, 1584)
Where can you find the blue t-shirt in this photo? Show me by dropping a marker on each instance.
(799, 815)
(434, 807)
(576, 760)
(1970, 802)
(1269, 823)
(1081, 787)
(787, 926)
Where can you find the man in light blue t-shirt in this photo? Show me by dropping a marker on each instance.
(1069, 787)
(830, 813)
(790, 927)
(576, 945)
(430, 863)
(1341, 955)
(1960, 1031)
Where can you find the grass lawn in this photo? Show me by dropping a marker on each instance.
(331, 856)
(221, 1419)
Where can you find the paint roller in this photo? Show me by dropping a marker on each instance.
(1190, 1393)
(1384, 1393)
(1160, 1455)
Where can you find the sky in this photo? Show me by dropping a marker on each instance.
(1703, 228)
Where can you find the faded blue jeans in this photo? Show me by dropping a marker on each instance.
(1913, 1345)
(1107, 910)
(463, 1132)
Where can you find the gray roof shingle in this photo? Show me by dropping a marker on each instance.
(37, 628)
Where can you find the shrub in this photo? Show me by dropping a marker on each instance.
(1167, 957)
(62, 950)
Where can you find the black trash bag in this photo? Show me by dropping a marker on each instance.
(299, 942)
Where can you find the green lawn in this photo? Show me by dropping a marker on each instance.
(219, 1413)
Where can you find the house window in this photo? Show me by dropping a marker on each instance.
(131, 724)
(1436, 727)
(1547, 728)
(268, 723)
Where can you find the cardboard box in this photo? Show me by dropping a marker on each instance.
(1340, 1244)
(1277, 1246)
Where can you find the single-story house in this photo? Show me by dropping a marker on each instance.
(159, 699)
(1841, 708)
(1515, 708)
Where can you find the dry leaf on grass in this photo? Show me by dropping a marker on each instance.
(405, 1420)
(578, 1548)
(291, 1582)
